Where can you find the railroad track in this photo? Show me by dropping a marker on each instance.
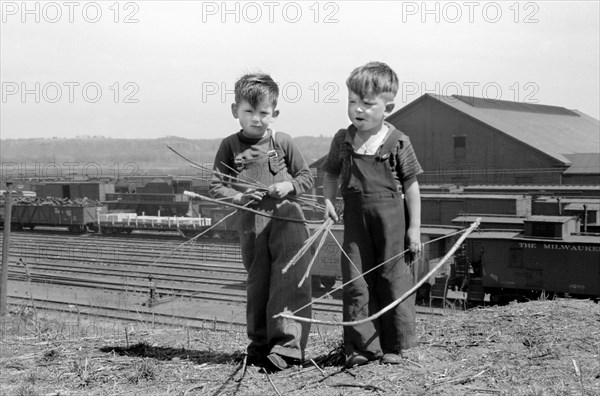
(203, 282)
(94, 247)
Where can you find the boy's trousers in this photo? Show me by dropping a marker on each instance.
(267, 247)
(373, 233)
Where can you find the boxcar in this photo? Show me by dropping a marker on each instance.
(76, 218)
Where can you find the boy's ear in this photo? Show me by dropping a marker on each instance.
(234, 110)
(275, 114)
(389, 107)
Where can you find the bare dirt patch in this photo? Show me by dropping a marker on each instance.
(534, 348)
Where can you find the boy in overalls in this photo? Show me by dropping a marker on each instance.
(259, 157)
(376, 165)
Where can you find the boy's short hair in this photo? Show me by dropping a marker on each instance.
(256, 88)
(374, 78)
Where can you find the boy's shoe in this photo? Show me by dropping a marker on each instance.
(277, 362)
(359, 359)
(391, 358)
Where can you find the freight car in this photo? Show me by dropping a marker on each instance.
(549, 257)
(115, 223)
(189, 226)
(77, 218)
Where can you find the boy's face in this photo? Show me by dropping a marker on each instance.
(254, 121)
(367, 113)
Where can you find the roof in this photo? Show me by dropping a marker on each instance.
(518, 236)
(567, 200)
(532, 187)
(441, 187)
(583, 163)
(444, 195)
(579, 206)
(158, 180)
(438, 230)
(489, 219)
(72, 182)
(482, 233)
(555, 131)
(549, 219)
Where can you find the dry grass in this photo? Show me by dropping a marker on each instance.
(536, 348)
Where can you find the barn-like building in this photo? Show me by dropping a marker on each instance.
(467, 140)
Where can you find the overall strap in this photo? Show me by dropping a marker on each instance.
(390, 143)
(236, 150)
(277, 146)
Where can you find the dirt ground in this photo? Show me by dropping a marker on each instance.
(535, 348)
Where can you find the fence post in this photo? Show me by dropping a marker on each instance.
(5, 249)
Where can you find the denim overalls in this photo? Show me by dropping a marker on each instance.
(374, 231)
(267, 246)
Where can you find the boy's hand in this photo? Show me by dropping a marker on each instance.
(280, 190)
(248, 196)
(413, 235)
(330, 211)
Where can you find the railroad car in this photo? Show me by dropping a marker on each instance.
(549, 257)
(78, 219)
(114, 223)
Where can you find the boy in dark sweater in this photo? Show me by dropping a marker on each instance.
(260, 157)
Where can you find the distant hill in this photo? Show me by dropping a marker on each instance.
(152, 153)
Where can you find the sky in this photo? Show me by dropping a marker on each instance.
(150, 69)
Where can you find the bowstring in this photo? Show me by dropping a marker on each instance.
(417, 257)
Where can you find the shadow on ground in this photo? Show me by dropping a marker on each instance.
(146, 350)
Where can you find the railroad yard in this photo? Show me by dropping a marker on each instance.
(160, 279)
(125, 303)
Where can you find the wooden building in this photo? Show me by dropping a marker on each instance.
(467, 140)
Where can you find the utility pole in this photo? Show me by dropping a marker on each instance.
(5, 248)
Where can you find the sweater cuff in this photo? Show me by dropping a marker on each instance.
(297, 188)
